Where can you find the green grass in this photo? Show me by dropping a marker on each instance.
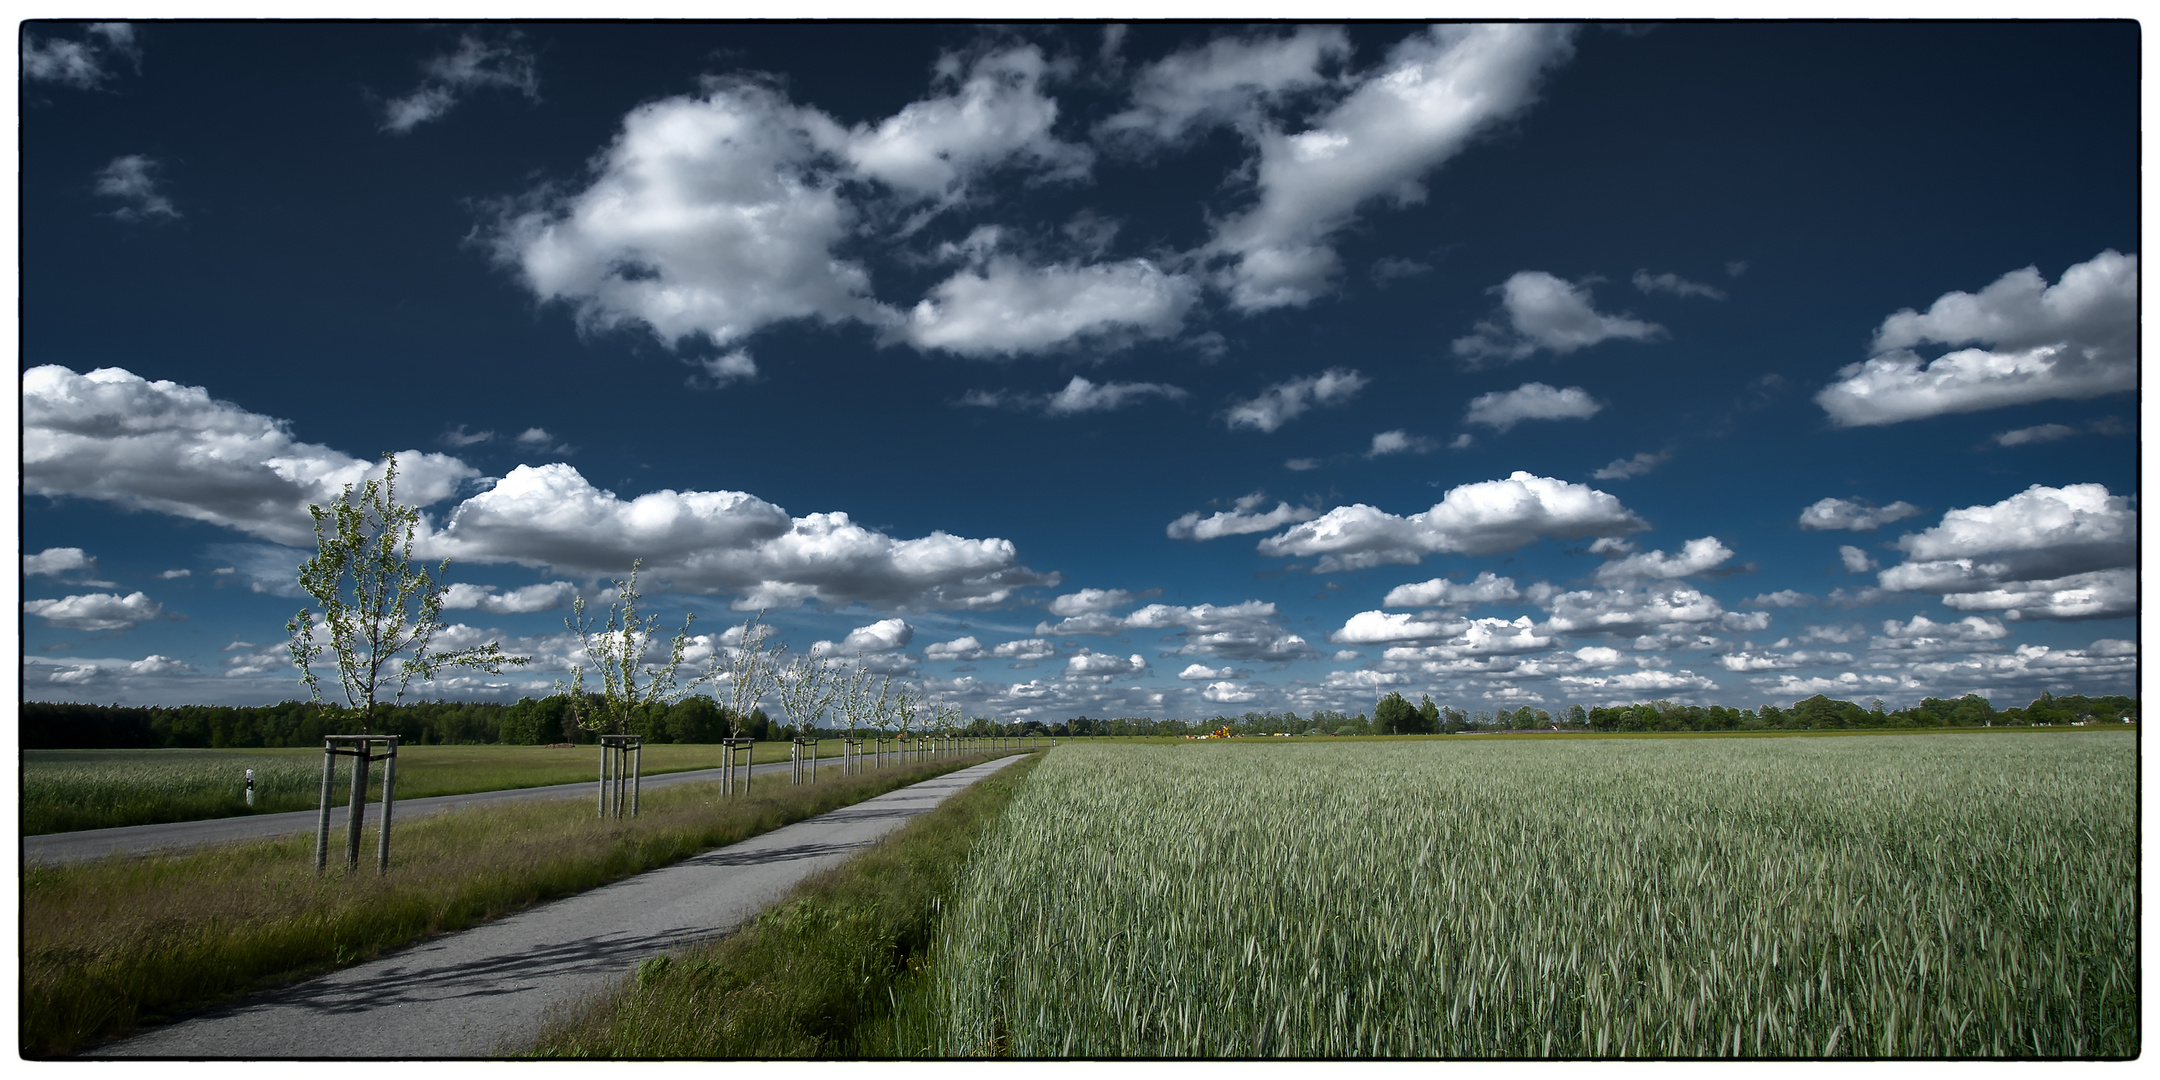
(108, 945)
(67, 790)
(813, 976)
(1891, 896)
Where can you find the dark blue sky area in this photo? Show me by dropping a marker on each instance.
(1610, 313)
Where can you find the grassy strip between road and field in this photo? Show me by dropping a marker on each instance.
(113, 944)
(70, 790)
(818, 974)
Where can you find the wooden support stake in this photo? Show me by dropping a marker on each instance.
(322, 813)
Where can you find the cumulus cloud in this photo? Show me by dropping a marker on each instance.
(81, 64)
(1377, 627)
(1922, 634)
(733, 366)
(477, 64)
(1222, 82)
(1847, 685)
(1488, 588)
(1089, 601)
(1783, 598)
(1501, 410)
(53, 562)
(1471, 519)
(707, 217)
(1675, 285)
(1079, 396)
(883, 636)
(1398, 442)
(1775, 661)
(1697, 555)
(1540, 311)
(1240, 520)
(1230, 693)
(1285, 401)
(1638, 684)
(1856, 515)
(546, 596)
(1202, 673)
(113, 436)
(1094, 665)
(996, 115)
(1630, 467)
(132, 179)
(2047, 433)
(1434, 93)
(1856, 561)
(1249, 632)
(1006, 308)
(1644, 610)
(96, 611)
(2074, 339)
(2055, 553)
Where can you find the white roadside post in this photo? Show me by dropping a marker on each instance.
(251, 789)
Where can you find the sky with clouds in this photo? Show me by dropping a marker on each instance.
(1164, 370)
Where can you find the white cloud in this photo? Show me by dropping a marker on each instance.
(707, 217)
(1446, 638)
(1249, 632)
(80, 64)
(2045, 552)
(155, 664)
(545, 596)
(1636, 611)
(1856, 515)
(551, 516)
(1696, 556)
(1202, 673)
(932, 148)
(1089, 601)
(1285, 401)
(1081, 396)
(1489, 588)
(96, 611)
(2047, 433)
(1229, 693)
(1783, 598)
(131, 179)
(1398, 442)
(960, 648)
(1471, 519)
(53, 562)
(1530, 401)
(1846, 685)
(733, 366)
(1630, 467)
(113, 436)
(1545, 312)
(1006, 308)
(171, 574)
(2074, 339)
(2099, 594)
(1222, 82)
(1675, 285)
(1856, 561)
(1377, 627)
(476, 65)
(1772, 661)
(1922, 634)
(1094, 665)
(1024, 649)
(1640, 682)
(883, 636)
(1303, 464)
(1239, 520)
(1436, 92)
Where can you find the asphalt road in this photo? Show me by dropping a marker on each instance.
(55, 848)
(485, 992)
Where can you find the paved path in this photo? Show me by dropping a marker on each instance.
(87, 844)
(484, 991)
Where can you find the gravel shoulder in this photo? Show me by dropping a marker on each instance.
(485, 992)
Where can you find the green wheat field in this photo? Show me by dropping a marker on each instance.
(1892, 896)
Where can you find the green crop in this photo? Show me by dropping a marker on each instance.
(1896, 896)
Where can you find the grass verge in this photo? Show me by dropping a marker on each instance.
(816, 975)
(109, 945)
(69, 790)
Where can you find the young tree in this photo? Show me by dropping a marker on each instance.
(379, 610)
(751, 671)
(807, 688)
(627, 683)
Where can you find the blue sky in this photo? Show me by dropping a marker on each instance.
(1157, 370)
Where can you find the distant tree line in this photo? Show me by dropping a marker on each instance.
(699, 719)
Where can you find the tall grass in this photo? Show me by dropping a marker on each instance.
(815, 975)
(66, 790)
(1893, 896)
(111, 944)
